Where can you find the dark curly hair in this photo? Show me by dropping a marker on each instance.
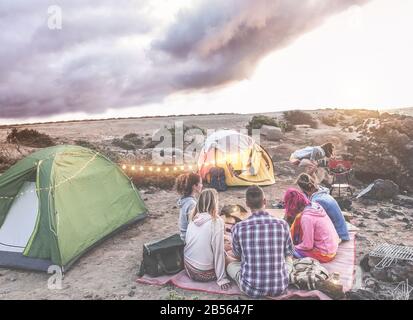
(185, 182)
(328, 149)
(306, 183)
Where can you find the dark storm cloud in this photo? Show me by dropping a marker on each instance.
(226, 39)
(84, 66)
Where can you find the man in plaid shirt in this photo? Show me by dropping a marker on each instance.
(263, 245)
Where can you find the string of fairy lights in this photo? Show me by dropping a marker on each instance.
(57, 185)
(148, 169)
(134, 168)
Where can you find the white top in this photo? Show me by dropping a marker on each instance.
(204, 248)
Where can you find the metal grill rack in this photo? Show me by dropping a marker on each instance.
(390, 253)
(402, 291)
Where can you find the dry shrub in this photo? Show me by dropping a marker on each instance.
(297, 117)
(329, 121)
(29, 138)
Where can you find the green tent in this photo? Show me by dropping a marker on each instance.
(59, 202)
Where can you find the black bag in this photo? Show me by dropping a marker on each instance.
(163, 257)
(217, 178)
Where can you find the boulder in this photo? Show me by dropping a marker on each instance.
(404, 201)
(400, 270)
(272, 133)
(384, 150)
(380, 190)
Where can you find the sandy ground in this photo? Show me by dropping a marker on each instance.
(108, 271)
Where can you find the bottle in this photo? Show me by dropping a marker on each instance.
(335, 278)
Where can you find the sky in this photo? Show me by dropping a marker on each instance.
(85, 59)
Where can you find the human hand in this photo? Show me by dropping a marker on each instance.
(227, 246)
(226, 286)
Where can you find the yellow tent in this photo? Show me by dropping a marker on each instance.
(244, 161)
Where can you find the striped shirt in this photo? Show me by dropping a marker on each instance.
(262, 242)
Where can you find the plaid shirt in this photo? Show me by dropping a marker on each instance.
(262, 242)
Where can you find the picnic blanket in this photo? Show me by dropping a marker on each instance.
(344, 263)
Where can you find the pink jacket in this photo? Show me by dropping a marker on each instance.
(318, 231)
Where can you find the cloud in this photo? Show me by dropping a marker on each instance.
(112, 54)
(224, 40)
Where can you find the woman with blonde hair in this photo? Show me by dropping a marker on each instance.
(204, 253)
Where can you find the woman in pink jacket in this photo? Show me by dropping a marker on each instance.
(312, 231)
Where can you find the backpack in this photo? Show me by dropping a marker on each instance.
(162, 257)
(217, 179)
(306, 272)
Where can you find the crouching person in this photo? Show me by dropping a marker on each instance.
(263, 245)
(204, 253)
(312, 231)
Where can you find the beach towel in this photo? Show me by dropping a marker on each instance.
(344, 264)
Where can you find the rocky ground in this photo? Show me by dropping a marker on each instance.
(108, 271)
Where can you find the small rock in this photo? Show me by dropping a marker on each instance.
(384, 214)
(396, 212)
(383, 224)
(361, 225)
(361, 237)
(272, 133)
(133, 287)
(357, 212)
(131, 293)
(88, 296)
(12, 279)
(366, 214)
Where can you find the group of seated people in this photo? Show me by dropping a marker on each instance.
(263, 247)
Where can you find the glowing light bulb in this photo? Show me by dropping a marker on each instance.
(133, 168)
(158, 169)
(150, 169)
(182, 168)
(175, 168)
(166, 169)
(124, 167)
(141, 168)
(190, 167)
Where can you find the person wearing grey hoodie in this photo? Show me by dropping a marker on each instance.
(204, 253)
(322, 196)
(188, 186)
